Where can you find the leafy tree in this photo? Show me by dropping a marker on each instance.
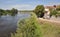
(39, 10)
(28, 27)
(2, 12)
(14, 11)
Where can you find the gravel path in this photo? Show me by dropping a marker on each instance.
(49, 20)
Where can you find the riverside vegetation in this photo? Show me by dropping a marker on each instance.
(28, 27)
(32, 27)
(12, 12)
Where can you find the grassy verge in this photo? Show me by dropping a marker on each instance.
(50, 29)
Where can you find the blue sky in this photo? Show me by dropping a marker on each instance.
(26, 4)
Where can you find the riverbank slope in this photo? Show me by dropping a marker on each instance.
(49, 28)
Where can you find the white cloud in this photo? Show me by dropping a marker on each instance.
(20, 7)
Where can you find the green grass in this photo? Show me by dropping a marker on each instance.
(50, 29)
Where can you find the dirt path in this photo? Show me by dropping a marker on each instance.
(52, 21)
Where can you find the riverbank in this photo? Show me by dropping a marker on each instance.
(49, 28)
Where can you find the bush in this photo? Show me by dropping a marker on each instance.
(28, 27)
(53, 12)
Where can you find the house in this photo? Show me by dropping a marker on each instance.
(47, 13)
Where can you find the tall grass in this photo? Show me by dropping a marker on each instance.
(50, 29)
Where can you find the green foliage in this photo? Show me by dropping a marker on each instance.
(10, 12)
(1, 10)
(53, 12)
(39, 10)
(13, 11)
(28, 27)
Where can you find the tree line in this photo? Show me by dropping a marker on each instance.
(13, 11)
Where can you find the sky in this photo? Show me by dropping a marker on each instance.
(26, 4)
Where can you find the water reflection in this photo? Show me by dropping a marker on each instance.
(8, 24)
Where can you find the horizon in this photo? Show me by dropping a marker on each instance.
(26, 4)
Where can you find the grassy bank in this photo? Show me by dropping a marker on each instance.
(28, 27)
(33, 27)
(50, 29)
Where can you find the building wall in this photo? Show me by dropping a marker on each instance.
(47, 13)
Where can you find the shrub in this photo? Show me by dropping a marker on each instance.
(53, 12)
(28, 27)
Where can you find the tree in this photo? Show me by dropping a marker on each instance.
(39, 10)
(2, 12)
(13, 11)
(28, 27)
(54, 12)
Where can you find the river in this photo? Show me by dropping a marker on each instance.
(8, 24)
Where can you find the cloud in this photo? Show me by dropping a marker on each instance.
(20, 7)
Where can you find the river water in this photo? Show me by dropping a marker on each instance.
(8, 24)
